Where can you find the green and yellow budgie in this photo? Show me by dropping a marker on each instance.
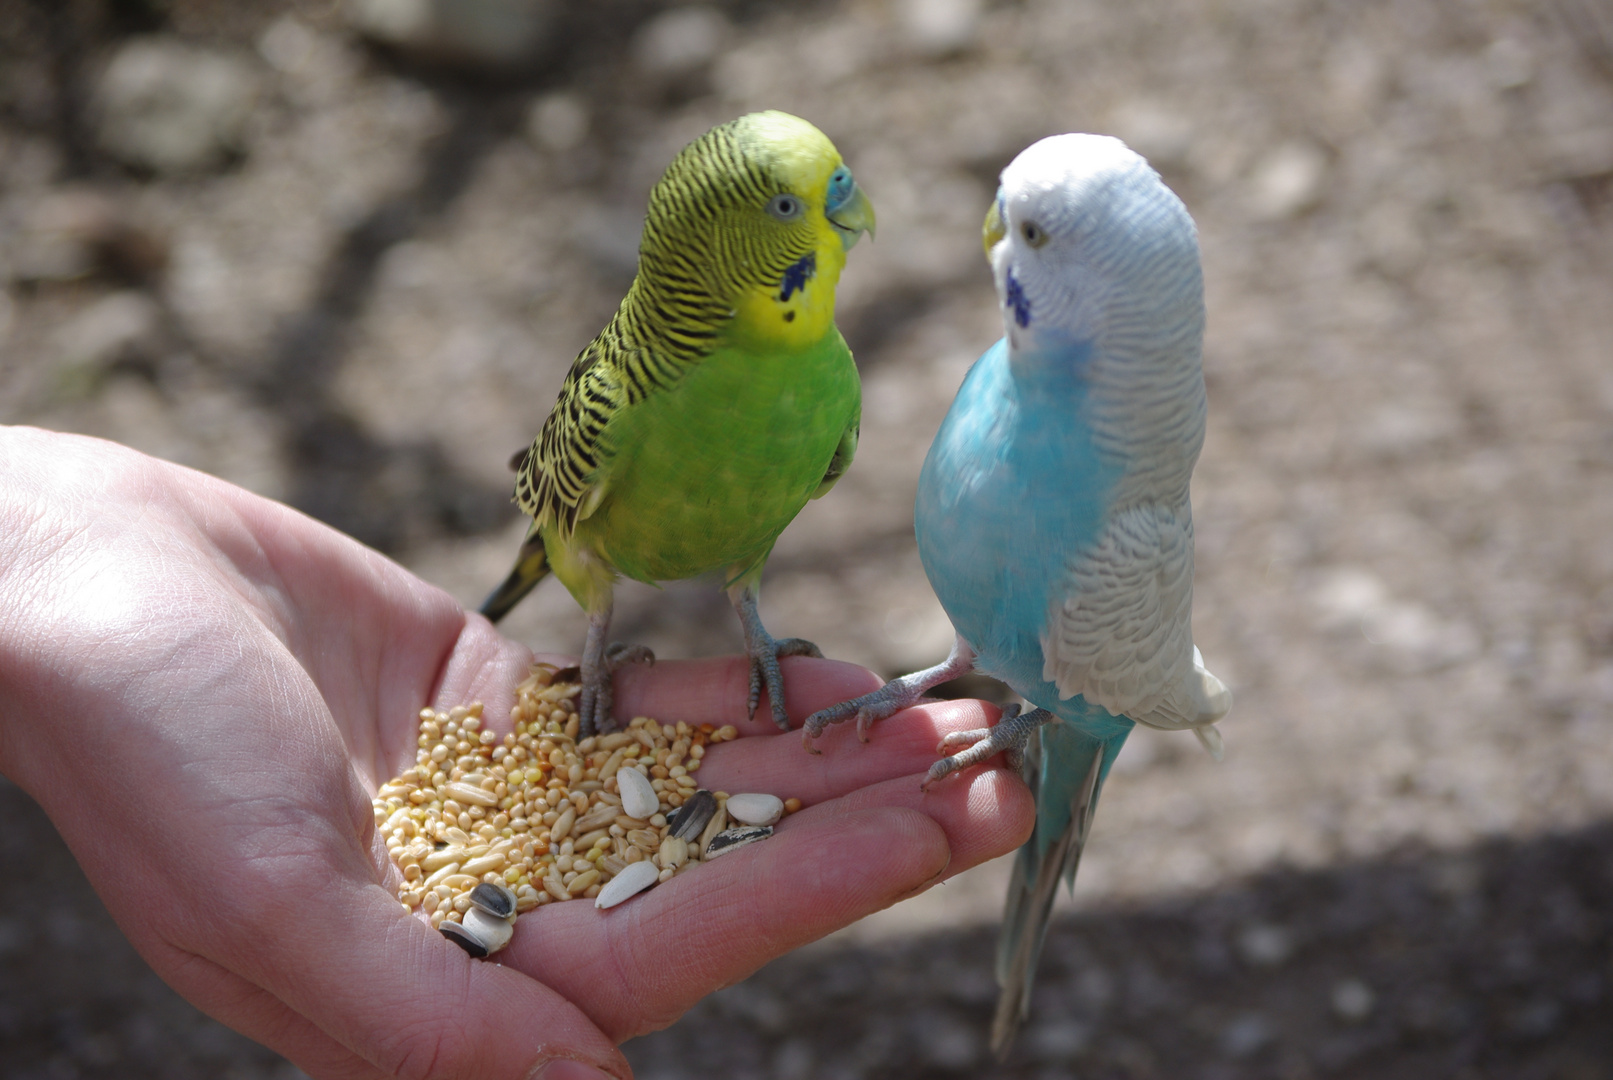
(718, 400)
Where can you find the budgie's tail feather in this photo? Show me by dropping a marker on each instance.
(531, 567)
(1065, 769)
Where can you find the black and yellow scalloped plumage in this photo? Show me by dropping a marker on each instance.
(720, 397)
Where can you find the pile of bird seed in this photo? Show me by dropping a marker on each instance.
(538, 811)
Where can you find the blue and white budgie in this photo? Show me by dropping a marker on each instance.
(1053, 516)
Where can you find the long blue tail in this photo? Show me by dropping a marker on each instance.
(1064, 768)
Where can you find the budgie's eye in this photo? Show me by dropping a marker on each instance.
(785, 207)
(1033, 234)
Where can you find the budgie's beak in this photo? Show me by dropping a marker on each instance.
(853, 217)
(993, 230)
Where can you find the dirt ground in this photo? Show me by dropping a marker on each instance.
(1404, 866)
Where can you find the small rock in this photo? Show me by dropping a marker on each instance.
(639, 799)
(680, 41)
(795, 1060)
(939, 28)
(1265, 946)
(1158, 132)
(1288, 181)
(1352, 1000)
(558, 122)
(174, 108)
(1245, 1035)
(947, 1043)
(495, 33)
(123, 326)
(1058, 1040)
(629, 883)
(1509, 63)
(755, 809)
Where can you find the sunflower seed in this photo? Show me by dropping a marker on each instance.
(690, 820)
(729, 839)
(464, 938)
(496, 900)
(492, 931)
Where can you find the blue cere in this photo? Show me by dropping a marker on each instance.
(841, 185)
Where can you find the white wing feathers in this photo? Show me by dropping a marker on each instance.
(1122, 637)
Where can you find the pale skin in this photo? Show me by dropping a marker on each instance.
(203, 688)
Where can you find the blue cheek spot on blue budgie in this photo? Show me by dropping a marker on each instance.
(796, 277)
(1014, 296)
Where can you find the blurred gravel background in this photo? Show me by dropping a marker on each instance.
(342, 254)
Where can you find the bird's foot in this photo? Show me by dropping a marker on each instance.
(598, 689)
(888, 700)
(891, 698)
(765, 653)
(1009, 735)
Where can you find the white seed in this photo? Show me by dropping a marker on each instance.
(755, 809)
(630, 882)
(638, 798)
(493, 932)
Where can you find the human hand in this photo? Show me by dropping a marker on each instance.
(203, 688)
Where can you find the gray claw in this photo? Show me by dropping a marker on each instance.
(764, 667)
(1009, 736)
(598, 687)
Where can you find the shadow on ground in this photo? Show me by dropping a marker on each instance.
(1488, 962)
(1491, 962)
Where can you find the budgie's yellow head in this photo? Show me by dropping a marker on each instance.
(748, 230)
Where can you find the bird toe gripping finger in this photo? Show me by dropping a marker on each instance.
(598, 688)
(888, 700)
(891, 698)
(765, 669)
(1010, 736)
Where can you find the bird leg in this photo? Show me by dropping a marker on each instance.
(599, 664)
(765, 651)
(1009, 735)
(891, 698)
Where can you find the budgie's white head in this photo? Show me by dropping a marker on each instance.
(1086, 241)
(1097, 268)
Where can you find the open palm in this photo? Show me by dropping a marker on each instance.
(203, 688)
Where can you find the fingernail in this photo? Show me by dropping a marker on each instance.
(566, 1069)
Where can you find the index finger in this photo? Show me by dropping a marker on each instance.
(716, 690)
